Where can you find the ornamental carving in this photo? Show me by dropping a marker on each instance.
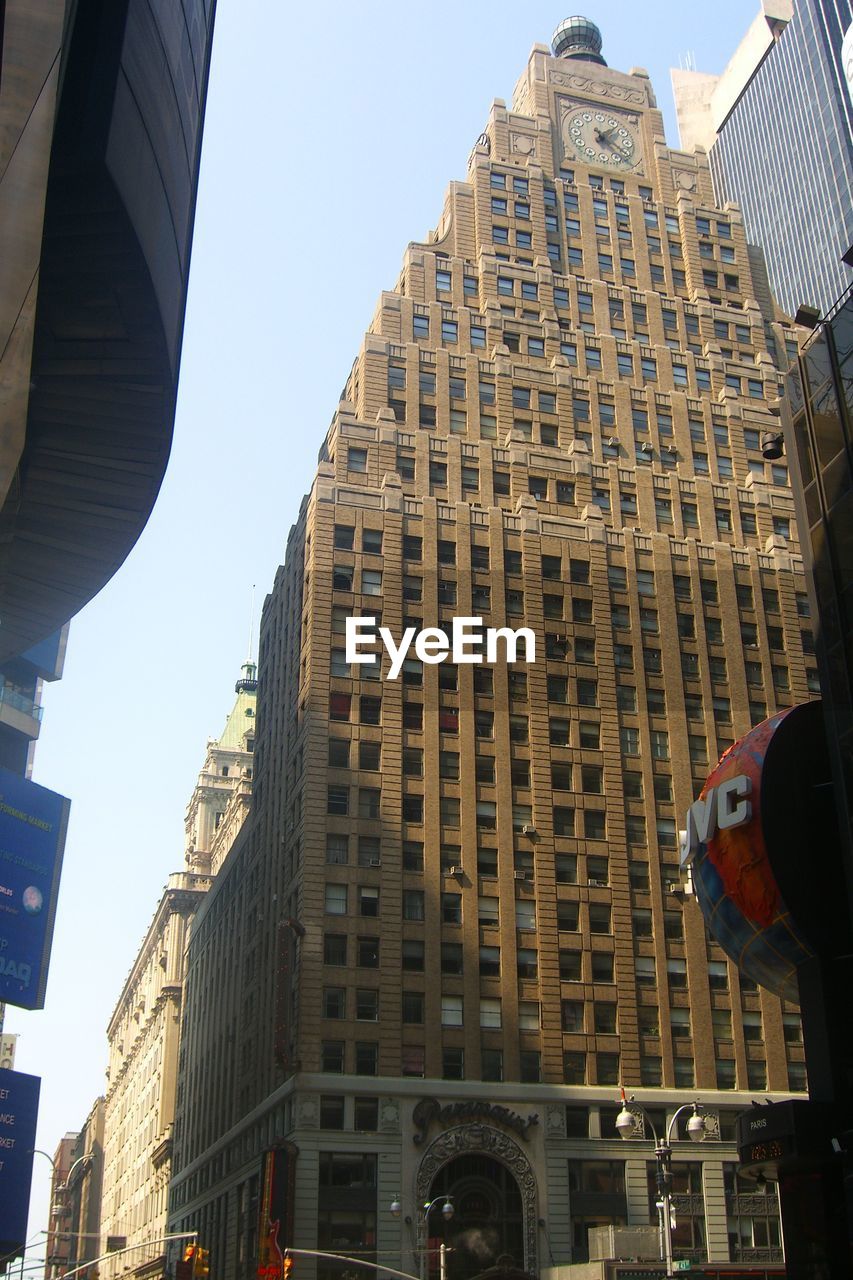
(307, 1116)
(555, 1123)
(712, 1125)
(482, 1139)
(389, 1116)
(522, 144)
(684, 179)
(600, 88)
(429, 1110)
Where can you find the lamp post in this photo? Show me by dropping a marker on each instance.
(626, 1127)
(59, 1204)
(424, 1211)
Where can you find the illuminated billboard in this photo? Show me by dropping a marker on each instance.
(33, 823)
(19, 1102)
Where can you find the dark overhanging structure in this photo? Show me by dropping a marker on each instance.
(116, 172)
(101, 115)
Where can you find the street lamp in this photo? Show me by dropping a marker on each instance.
(424, 1211)
(626, 1127)
(60, 1205)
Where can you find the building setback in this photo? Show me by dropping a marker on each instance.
(455, 924)
(779, 128)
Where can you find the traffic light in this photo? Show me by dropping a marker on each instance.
(202, 1262)
(189, 1253)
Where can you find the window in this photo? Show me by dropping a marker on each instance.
(566, 868)
(564, 821)
(337, 849)
(528, 963)
(451, 957)
(599, 917)
(451, 1011)
(367, 953)
(335, 949)
(525, 913)
(332, 1057)
(367, 1005)
(337, 801)
(413, 1007)
(412, 958)
(594, 826)
(369, 803)
(413, 904)
(490, 1014)
(366, 1058)
(356, 459)
(335, 900)
(331, 1111)
(451, 908)
(334, 1002)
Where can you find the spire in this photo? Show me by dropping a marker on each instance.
(578, 38)
(249, 680)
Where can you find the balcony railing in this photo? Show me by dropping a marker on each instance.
(20, 701)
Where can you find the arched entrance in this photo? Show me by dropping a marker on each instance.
(487, 1224)
(491, 1184)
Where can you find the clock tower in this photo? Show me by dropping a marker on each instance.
(569, 108)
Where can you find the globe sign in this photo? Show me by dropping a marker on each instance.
(764, 818)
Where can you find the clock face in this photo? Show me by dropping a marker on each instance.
(597, 137)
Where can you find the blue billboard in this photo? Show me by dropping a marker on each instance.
(33, 823)
(19, 1104)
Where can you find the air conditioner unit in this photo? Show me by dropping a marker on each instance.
(375, 862)
(674, 887)
(528, 830)
(612, 442)
(597, 884)
(671, 448)
(455, 871)
(646, 446)
(520, 875)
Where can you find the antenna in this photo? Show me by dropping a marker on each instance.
(251, 625)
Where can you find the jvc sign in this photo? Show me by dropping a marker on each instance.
(723, 806)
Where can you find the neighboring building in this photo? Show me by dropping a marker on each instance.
(223, 793)
(75, 1206)
(21, 681)
(82, 1194)
(455, 924)
(58, 1246)
(144, 1031)
(778, 125)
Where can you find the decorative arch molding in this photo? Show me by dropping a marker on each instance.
(481, 1139)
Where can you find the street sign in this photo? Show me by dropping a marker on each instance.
(683, 1264)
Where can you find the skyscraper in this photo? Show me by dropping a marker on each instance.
(455, 924)
(779, 128)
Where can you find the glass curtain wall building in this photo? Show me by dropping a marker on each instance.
(784, 154)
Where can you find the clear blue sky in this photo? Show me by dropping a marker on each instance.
(332, 131)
